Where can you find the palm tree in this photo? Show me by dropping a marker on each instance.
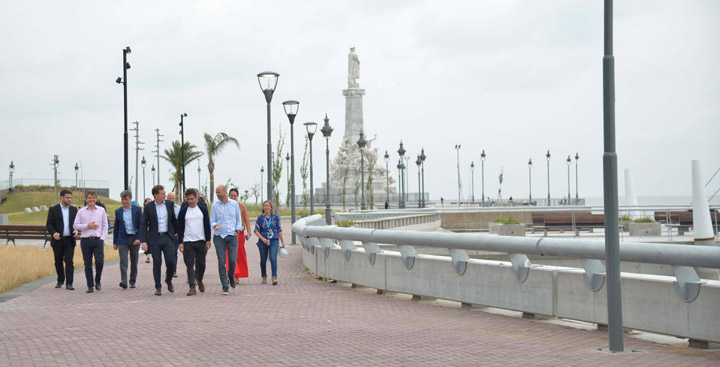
(213, 146)
(174, 157)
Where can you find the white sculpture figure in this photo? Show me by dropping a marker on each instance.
(353, 68)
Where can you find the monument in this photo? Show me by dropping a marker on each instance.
(345, 178)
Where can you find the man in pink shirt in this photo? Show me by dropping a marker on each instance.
(92, 221)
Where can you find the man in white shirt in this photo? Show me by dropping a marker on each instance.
(194, 236)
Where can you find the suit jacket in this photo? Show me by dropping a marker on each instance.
(149, 225)
(120, 236)
(181, 221)
(55, 222)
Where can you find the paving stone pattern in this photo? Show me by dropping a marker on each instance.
(300, 322)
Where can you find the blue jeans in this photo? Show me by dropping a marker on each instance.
(164, 245)
(89, 249)
(273, 249)
(229, 244)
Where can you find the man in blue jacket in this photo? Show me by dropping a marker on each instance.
(126, 237)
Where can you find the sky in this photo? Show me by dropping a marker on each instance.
(513, 78)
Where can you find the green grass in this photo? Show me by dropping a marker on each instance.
(255, 210)
(644, 220)
(505, 220)
(14, 204)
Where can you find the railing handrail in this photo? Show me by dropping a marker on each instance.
(654, 253)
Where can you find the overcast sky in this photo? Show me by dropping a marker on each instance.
(515, 78)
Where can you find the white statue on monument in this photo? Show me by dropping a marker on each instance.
(353, 68)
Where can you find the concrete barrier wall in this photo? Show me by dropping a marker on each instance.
(399, 221)
(649, 301)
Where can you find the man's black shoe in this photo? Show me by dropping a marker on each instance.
(232, 282)
(123, 285)
(97, 286)
(59, 285)
(70, 287)
(158, 291)
(89, 290)
(170, 286)
(132, 285)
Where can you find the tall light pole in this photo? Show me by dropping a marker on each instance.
(482, 173)
(262, 195)
(422, 158)
(182, 148)
(387, 177)
(401, 182)
(152, 169)
(568, 161)
(472, 180)
(287, 169)
(311, 128)
(361, 144)
(77, 169)
(327, 131)
(530, 181)
(406, 177)
(547, 157)
(577, 197)
(56, 163)
(268, 81)
(157, 153)
(136, 129)
(12, 169)
(610, 191)
(199, 182)
(123, 81)
(419, 162)
(144, 163)
(291, 109)
(457, 149)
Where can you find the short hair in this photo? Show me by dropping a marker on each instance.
(190, 192)
(90, 193)
(272, 208)
(147, 200)
(235, 190)
(156, 189)
(65, 192)
(126, 194)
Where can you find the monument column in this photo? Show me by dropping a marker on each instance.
(353, 99)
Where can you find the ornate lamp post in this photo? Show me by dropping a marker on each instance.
(482, 172)
(387, 177)
(568, 161)
(577, 197)
(401, 167)
(77, 169)
(12, 169)
(311, 128)
(530, 181)
(144, 163)
(268, 81)
(262, 194)
(406, 175)
(547, 156)
(327, 131)
(472, 181)
(291, 109)
(419, 162)
(182, 148)
(361, 144)
(56, 163)
(123, 81)
(152, 170)
(422, 158)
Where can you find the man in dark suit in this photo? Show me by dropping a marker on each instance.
(126, 237)
(158, 232)
(60, 226)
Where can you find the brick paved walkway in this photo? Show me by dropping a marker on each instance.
(300, 322)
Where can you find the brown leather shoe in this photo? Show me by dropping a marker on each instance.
(201, 286)
(191, 292)
(274, 279)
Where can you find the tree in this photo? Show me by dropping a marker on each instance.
(213, 147)
(500, 178)
(255, 190)
(174, 157)
(277, 168)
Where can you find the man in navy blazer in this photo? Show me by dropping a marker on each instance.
(157, 231)
(59, 224)
(126, 237)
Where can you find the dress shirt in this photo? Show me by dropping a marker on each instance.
(194, 229)
(177, 210)
(227, 215)
(127, 218)
(162, 215)
(85, 216)
(66, 220)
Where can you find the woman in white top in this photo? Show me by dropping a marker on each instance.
(194, 238)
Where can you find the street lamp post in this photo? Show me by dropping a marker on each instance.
(199, 182)
(406, 178)
(577, 197)
(568, 161)
(530, 181)
(262, 194)
(77, 169)
(123, 81)
(56, 163)
(419, 162)
(143, 163)
(12, 169)
(182, 148)
(311, 128)
(268, 81)
(287, 169)
(361, 144)
(547, 157)
(291, 110)
(152, 170)
(472, 181)
(422, 158)
(482, 173)
(457, 149)
(387, 177)
(327, 131)
(401, 182)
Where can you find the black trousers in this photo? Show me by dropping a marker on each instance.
(165, 245)
(192, 252)
(64, 251)
(93, 248)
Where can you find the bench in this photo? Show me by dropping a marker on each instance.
(682, 220)
(25, 232)
(563, 221)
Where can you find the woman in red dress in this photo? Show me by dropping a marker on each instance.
(241, 269)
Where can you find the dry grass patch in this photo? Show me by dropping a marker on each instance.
(20, 265)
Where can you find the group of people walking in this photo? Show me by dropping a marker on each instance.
(161, 229)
